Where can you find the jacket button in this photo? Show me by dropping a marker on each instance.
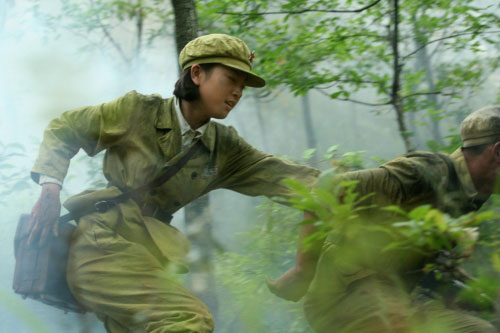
(194, 175)
(177, 203)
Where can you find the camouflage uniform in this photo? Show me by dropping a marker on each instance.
(357, 288)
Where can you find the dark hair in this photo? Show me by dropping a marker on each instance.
(185, 88)
(479, 149)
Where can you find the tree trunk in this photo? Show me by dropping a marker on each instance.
(201, 279)
(197, 216)
(396, 80)
(424, 63)
(139, 25)
(414, 129)
(186, 22)
(309, 129)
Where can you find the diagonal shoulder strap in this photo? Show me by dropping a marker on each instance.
(167, 173)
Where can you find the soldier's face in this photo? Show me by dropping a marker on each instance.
(496, 158)
(220, 90)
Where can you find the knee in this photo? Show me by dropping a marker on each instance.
(187, 322)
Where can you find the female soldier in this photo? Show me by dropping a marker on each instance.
(121, 256)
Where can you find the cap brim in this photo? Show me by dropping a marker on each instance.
(479, 141)
(253, 80)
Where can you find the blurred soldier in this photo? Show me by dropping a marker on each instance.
(123, 253)
(357, 287)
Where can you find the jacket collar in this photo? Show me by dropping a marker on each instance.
(167, 121)
(458, 159)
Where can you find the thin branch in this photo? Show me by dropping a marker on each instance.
(113, 42)
(428, 93)
(449, 37)
(354, 100)
(349, 81)
(342, 37)
(305, 11)
(438, 46)
(110, 38)
(363, 103)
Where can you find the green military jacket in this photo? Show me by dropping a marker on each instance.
(408, 181)
(141, 135)
(412, 180)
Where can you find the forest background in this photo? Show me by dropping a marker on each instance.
(350, 85)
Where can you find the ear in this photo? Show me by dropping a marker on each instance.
(196, 74)
(496, 151)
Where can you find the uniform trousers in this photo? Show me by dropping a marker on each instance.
(128, 286)
(378, 305)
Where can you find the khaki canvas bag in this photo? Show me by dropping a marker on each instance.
(40, 271)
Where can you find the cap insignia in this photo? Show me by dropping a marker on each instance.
(252, 56)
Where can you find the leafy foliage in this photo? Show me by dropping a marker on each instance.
(101, 24)
(12, 177)
(439, 56)
(445, 241)
(241, 275)
(431, 230)
(481, 292)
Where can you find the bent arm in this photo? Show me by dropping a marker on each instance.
(91, 128)
(293, 284)
(250, 171)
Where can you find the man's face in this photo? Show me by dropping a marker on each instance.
(495, 157)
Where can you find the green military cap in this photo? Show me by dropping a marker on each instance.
(481, 126)
(222, 49)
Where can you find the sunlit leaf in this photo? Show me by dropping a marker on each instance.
(395, 209)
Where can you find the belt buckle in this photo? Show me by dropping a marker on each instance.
(103, 206)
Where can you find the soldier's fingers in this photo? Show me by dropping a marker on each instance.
(32, 221)
(43, 236)
(33, 234)
(47, 232)
(55, 229)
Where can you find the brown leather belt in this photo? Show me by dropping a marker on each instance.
(152, 210)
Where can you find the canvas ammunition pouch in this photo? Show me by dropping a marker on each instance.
(40, 271)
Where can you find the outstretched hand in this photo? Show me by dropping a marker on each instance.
(292, 285)
(45, 214)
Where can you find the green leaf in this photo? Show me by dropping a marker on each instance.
(419, 212)
(326, 197)
(495, 260)
(333, 148)
(336, 94)
(395, 209)
(436, 218)
(308, 153)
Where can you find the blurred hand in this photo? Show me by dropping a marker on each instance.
(45, 214)
(292, 285)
